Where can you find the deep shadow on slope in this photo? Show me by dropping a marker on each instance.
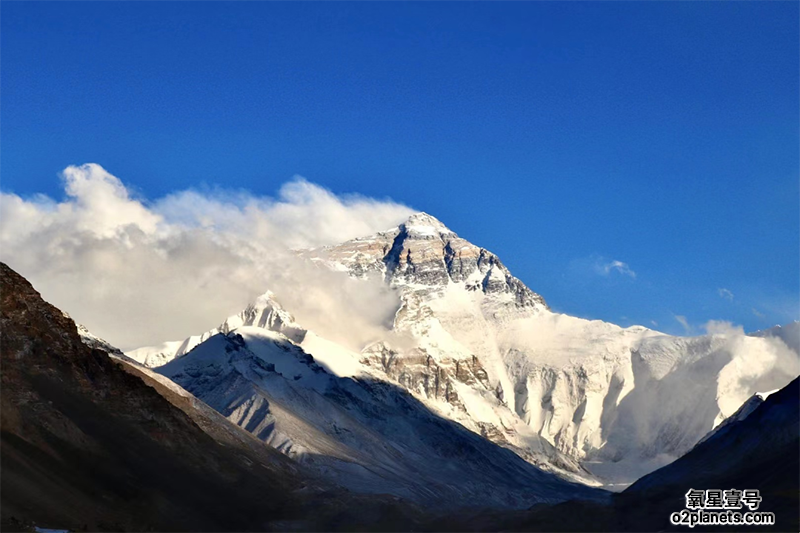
(368, 435)
(760, 452)
(87, 445)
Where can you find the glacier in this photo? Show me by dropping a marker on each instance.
(585, 399)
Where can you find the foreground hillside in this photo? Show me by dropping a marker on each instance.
(88, 445)
(760, 451)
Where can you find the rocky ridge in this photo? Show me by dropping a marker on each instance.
(475, 345)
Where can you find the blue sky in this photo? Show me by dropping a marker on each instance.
(562, 136)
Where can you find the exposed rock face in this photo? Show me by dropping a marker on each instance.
(423, 260)
(365, 434)
(93, 443)
(477, 346)
(421, 373)
(424, 254)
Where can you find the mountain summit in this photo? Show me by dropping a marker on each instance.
(424, 255)
(424, 224)
(586, 399)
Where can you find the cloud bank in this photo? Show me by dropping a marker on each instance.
(762, 364)
(138, 273)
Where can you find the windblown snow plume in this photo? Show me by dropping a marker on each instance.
(138, 272)
(754, 366)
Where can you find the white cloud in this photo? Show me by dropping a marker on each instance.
(139, 273)
(618, 266)
(725, 293)
(760, 364)
(685, 323)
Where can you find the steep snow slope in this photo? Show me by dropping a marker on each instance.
(475, 345)
(625, 401)
(367, 435)
(758, 452)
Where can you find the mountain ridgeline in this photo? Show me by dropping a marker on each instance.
(92, 443)
(478, 408)
(587, 400)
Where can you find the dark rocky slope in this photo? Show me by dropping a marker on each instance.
(87, 444)
(759, 452)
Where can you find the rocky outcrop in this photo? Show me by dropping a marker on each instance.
(421, 373)
(369, 435)
(423, 253)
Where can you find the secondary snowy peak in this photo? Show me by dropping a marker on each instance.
(476, 346)
(365, 434)
(789, 334)
(265, 312)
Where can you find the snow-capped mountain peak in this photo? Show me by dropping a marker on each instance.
(265, 312)
(423, 225)
(423, 256)
(477, 346)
